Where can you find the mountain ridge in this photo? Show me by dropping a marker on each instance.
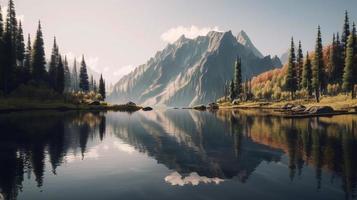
(190, 71)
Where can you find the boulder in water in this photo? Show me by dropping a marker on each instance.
(320, 110)
(298, 108)
(213, 106)
(147, 109)
(200, 107)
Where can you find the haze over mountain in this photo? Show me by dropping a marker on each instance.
(192, 71)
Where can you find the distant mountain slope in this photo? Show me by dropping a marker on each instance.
(190, 71)
(245, 41)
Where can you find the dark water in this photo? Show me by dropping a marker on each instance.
(176, 154)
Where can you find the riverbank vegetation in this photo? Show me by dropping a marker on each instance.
(28, 79)
(325, 77)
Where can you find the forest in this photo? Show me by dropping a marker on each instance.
(330, 70)
(25, 73)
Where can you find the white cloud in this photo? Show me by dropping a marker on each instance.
(173, 34)
(124, 147)
(194, 179)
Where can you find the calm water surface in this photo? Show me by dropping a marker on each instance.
(176, 154)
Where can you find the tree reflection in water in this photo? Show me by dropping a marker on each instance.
(197, 146)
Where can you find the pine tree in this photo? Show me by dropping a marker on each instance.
(91, 83)
(299, 66)
(232, 91)
(339, 65)
(83, 77)
(2, 68)
(20, 45)
(350, 71)
(345, 32)
(67, 75)
(349, 79)
(318, 76)
(291, 83)
(1, 23)
(238, 77)
(60, 76)
(9, 50)
(332, 62)
(95, 88)
(102, 87)
(52, 71)
(38, 57)
(27, 60)
(75, 83)
(307, 75)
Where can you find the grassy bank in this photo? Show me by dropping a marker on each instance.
(340, 102)
(12, 105)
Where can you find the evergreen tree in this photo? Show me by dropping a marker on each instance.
(38, 57)
(102, 87)
(332, 62)
(95, 88)
(67, 75)
(60, 79)
(2, 68)
(91, 83)
(20, 45)
(74, 81)
(291, 83)
(232, 91)
(27, 60)
(52, 71)
(83, 77)
(318, 76)
(9, 50)
(339, 63)
(345, 32)
(307, 75)
(350, 71)
(238, 77)
(299, 66)
(1, 23)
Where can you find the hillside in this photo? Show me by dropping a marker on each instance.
(192, 71)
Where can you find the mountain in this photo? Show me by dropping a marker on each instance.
(284, 57)
(244, 40)
(190, 71)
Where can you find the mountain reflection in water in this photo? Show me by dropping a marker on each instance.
(194, 147)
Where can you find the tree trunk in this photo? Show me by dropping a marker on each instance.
(353, 92)
(317, 95)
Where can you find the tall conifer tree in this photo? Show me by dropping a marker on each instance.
(299, 65)
(38, 57)
(102, 87)
(67, 75)
(232, 91)
(20, 45)
(27, 60)
(83, 77)
(52, 71)
(345, 32)
(291, 82)
(307, 75)
(349, 79)
(75, 82)
(60, 79)
(238, 77)
(318, 73)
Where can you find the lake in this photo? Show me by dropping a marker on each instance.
(176, 154)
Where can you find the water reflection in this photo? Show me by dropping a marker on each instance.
(197, 147)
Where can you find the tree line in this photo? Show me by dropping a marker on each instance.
(22, 64)
(314, 74)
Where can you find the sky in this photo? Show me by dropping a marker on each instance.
(118, 35)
